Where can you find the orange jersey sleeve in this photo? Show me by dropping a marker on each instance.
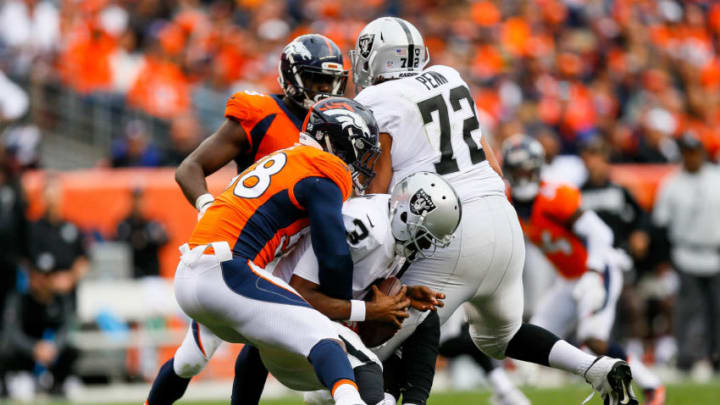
(268, 124)
(249, 108)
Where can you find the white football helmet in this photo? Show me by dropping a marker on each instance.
(387, 48)
(425, 211)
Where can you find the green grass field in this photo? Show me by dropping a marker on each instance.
(678, 394)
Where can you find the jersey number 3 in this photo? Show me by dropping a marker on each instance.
(448, 164)
(253, 183)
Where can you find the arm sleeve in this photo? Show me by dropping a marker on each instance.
(323, 200)
(15, 338)
(662, 211)
(598, 237)
(640, 219)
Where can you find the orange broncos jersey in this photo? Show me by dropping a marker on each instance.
(545, 225)
(268, 123)
(258, 214)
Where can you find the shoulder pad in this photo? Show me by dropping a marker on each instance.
(248, 105)
(561, 200)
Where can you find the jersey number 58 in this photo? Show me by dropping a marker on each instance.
(253, 183)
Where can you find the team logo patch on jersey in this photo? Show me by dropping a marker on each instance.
(365, 43)
(421, 203)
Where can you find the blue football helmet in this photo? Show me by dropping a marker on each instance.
(311, 68)
(348, 130)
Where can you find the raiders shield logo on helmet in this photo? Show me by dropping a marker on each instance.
(365, 43)
(421, 203)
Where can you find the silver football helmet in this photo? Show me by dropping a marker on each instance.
(388, 48)
(425, 211)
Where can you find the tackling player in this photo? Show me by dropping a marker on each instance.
(580, 247)
(222, 280)
(428, 122)
(310, 68)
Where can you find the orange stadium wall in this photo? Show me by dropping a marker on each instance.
(97, 199)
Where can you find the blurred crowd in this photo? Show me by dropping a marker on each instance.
(605, 80)
(636, 72)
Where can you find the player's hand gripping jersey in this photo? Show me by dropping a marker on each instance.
(268, 123)
(432, 120)
(546, 226)
(262, 213)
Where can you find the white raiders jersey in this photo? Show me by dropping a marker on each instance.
(433, 123)
(372, 246)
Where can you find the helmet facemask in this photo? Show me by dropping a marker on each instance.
(416, 240)
(311, 84)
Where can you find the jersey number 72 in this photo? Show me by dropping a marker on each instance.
(448, 164)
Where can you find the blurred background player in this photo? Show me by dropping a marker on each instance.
(580, 247)
(144, 236)
(310, 68)
(414, 108)
(262, 214)
(687, 214)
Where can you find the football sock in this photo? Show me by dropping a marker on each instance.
(369, 379)
(532, 343)
(419, 357)
(168, 387)
(250, 377)
(334, 371)
(567, 357)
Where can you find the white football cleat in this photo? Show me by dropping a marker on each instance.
(612, 379)
(511, 397)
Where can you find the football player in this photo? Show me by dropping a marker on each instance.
(222, 281)
(310, 68)
(428, 122)
(383, 232)
(579, 245)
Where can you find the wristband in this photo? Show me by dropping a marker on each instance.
(203, 200)
(357, 311)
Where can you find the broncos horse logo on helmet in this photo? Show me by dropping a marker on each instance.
(311, 68)
(348, 130)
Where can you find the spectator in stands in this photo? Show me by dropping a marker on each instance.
(13, 228)
(687, 210)
(31, 29)
(35, 333)
(135, 149)
(57, 245)
(185, 133)
(14, 102)
(162, 88)
(144, 236)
